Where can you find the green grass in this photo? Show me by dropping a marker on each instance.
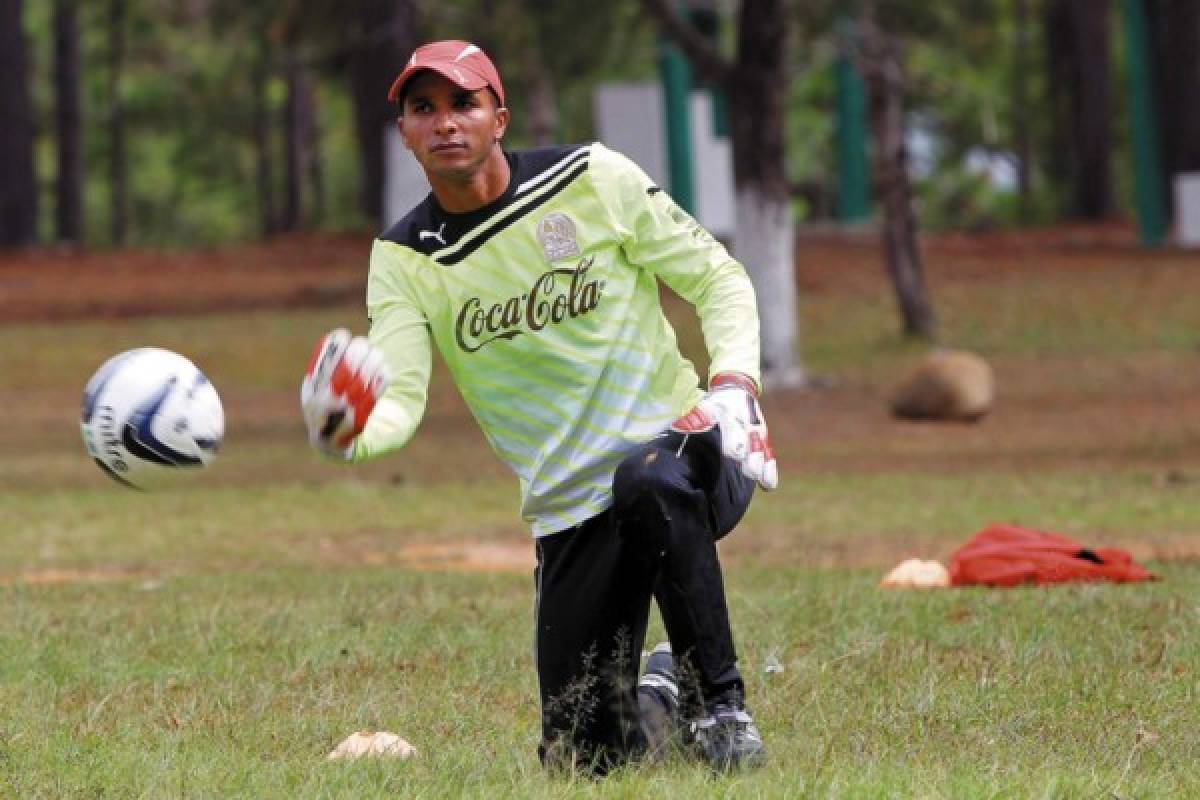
(237, 685)
(219, 638)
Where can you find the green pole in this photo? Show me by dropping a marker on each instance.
(850, 136)
(677, 83)
(1148, 178)
(720, 110)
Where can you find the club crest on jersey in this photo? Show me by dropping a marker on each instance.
(556, 232)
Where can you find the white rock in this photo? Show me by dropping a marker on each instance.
(373, 743)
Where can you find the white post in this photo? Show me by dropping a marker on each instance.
(1187, 209)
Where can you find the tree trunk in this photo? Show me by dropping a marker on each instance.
(764, 232)
(1022, 141)
(117, 165)
(68, 125)
(1093, 110)
(542, 122)
(886, 81)
(1176, 29)
(389, 28)
(298, 127)
(313, 163)
(543, 110)
(18, 178)
(264, 178)
(291, 148)
(1078, 41)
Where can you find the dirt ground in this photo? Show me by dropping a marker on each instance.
(62, 283)
(55, 283)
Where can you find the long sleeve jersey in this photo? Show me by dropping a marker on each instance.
(544, 305)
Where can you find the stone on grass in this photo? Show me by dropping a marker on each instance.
(372, 743)
(950, 385)
(913, 573)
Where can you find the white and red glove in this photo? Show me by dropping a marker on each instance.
(345, 377)
(732, 405)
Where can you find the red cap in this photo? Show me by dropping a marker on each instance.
(461, 63)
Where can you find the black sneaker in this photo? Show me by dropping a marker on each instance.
(727, 738)
(658, 700)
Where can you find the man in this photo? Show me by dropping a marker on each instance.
(536, 275)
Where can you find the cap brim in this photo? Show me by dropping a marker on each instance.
(456, 74)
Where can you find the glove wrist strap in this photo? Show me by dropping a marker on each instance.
(733, 379)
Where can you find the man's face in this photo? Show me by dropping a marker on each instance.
(450, 130)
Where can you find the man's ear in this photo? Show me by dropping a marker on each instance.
(400, 128)
(502, 117)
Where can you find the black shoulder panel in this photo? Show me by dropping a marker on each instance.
(407, 231)
(543, 171)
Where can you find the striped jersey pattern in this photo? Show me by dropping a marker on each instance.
(544, 305)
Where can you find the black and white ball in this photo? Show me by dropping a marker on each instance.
(150, 414)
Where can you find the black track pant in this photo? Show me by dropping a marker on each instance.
(674, 497)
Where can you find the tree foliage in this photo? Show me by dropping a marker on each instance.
(203, 88)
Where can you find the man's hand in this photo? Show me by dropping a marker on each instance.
(732, 405)
(345, 378)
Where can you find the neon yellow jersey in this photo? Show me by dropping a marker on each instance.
(545, 306)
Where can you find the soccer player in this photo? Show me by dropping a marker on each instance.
(536, 275)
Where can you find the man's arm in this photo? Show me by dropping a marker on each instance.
(401, 332)
(362, 397)
(664, 239)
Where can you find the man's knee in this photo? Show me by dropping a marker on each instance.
(646, 478)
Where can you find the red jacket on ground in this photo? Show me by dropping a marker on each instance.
(1009, 555)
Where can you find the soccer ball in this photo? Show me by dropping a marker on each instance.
(150, 414)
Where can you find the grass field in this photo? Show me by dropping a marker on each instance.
(217, 640)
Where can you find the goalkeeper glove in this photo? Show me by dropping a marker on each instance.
(732, 405)
(345, 378)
